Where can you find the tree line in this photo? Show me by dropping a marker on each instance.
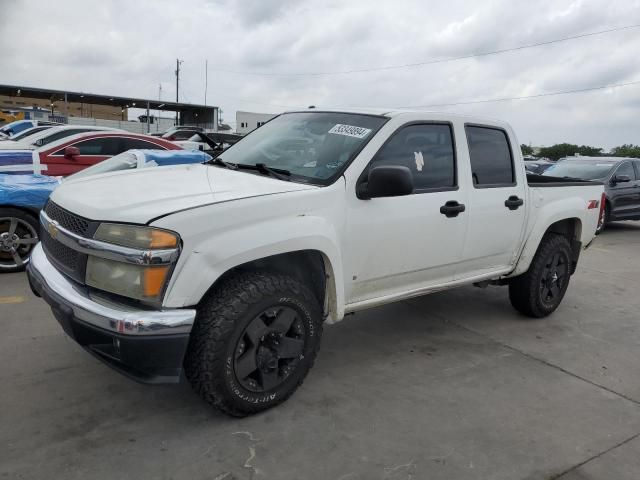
(554, 152)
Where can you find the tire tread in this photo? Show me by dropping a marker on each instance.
(215, 323)
(523, 290)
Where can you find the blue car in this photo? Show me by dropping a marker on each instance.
(23, 196)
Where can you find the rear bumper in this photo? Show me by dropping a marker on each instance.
(146, 345)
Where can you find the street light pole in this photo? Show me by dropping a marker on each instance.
(178, 62)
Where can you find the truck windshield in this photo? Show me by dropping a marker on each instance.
(312, 146)
(583, 170)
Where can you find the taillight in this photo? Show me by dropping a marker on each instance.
(603, 201)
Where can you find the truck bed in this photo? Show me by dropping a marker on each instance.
(535, 180)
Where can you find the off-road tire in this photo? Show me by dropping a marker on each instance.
(525, 291)
(220, 323)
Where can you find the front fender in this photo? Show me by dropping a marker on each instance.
(205, 258)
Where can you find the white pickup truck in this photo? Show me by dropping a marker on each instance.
(227, 271)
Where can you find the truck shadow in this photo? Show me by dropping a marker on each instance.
(627, 225)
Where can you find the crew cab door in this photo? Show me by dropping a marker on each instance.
(497, 209)
(91, 151)
(395, 245)
(624, 197)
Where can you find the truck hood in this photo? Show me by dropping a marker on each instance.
(142, 195)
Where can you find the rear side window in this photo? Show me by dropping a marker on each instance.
(626, 169)
(426, 150)
(136, 143)
(491, 159)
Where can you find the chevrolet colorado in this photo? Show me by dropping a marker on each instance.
(227, 271)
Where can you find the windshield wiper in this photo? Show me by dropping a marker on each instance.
(279, 173)
(222, 163)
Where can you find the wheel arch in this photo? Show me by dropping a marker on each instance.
(312, 266)
(29, 211)
(569, 227)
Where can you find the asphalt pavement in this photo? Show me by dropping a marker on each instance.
(454, 385)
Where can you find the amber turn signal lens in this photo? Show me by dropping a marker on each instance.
(154, 278)
(160, 239)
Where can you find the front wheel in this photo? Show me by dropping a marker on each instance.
(539, 291)
(255, 338)
(18, 236)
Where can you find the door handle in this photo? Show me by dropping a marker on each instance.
(452, 208)
(513, 202)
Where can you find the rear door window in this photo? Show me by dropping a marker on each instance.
(136, 143)
(491, 157)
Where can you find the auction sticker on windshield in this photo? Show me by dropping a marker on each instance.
(350, 130)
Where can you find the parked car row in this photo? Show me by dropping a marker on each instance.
(11, 129)
(22, 197)
(33, 160)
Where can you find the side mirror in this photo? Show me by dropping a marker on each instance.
(71, 152)
(386, 181)
(620, 179)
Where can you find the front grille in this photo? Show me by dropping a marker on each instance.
(65, 256)
(67, 260)
(68, 220)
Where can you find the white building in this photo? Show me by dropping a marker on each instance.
(247, 121)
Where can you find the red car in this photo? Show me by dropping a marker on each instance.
(83, 150)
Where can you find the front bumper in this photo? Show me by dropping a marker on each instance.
(146, 345)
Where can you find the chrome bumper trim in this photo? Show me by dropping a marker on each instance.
(59, 292)
(106, 250)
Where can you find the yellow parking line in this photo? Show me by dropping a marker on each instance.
(8, 300)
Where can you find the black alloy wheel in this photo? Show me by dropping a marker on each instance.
(553, 278)
(269, 349)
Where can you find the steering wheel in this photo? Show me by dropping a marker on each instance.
(281, 155)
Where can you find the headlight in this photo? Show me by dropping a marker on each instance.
(133, 281)
(136, 237)
(143, 281)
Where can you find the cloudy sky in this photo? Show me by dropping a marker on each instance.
(269, 56)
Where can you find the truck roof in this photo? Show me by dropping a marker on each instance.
(394, 112)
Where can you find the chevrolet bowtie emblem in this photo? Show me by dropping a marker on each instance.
(52, 228)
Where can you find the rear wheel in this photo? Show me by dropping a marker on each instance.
(18, 236)
(256, 336)
(539, 291)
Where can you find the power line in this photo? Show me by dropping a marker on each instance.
(246, 100)
(427, 62)
(525, 97)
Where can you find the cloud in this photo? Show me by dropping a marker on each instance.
(129, 48)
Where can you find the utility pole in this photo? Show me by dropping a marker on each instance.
(178, 62)
(158, 111)
(206, 80)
